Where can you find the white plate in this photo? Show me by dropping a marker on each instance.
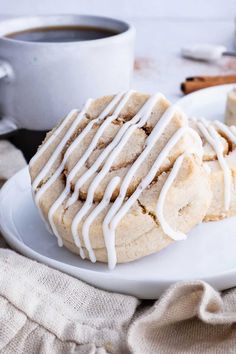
(209, 102)
(207, 254)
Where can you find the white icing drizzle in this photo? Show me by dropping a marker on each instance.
(40, 152)
(85, 156)
(120, 206)
(82, 160)
(214, 139)
(226, 130)
(60, 146)
(92, 146)
(175, 235)
(75, 143)
(96, 211)
(53, 136)
(141, 118)
(114, 215)
(121, 138)
(44, 171)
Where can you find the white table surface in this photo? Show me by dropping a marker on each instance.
(162, 28)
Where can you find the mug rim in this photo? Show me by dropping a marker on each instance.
(27, 21)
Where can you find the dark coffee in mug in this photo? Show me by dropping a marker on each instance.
(62, 34)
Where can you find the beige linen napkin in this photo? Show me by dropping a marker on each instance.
(45, 311)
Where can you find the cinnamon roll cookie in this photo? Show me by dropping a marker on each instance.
(219, 145)
(230, 110)
(122, 178)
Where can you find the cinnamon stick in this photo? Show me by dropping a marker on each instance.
(192, 84)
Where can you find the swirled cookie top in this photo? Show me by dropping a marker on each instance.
(219, 141)
(209, 152)
(130, 151)
(112, 151)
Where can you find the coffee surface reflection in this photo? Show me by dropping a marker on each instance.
(57, 34)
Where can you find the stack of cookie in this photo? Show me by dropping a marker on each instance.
(129, 174)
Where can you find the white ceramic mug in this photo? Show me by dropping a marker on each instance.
(40, 82)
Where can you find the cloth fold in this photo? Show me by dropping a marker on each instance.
(64, 310)
(191, 317)
(46, 311)
(11, 160)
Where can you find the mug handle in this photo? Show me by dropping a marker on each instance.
(6, 125)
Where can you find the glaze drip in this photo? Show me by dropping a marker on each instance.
(210, 133)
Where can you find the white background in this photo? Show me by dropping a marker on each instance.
(161, 9)
(162, 28)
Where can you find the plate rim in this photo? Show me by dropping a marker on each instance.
(24, 249)
(187, 98)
